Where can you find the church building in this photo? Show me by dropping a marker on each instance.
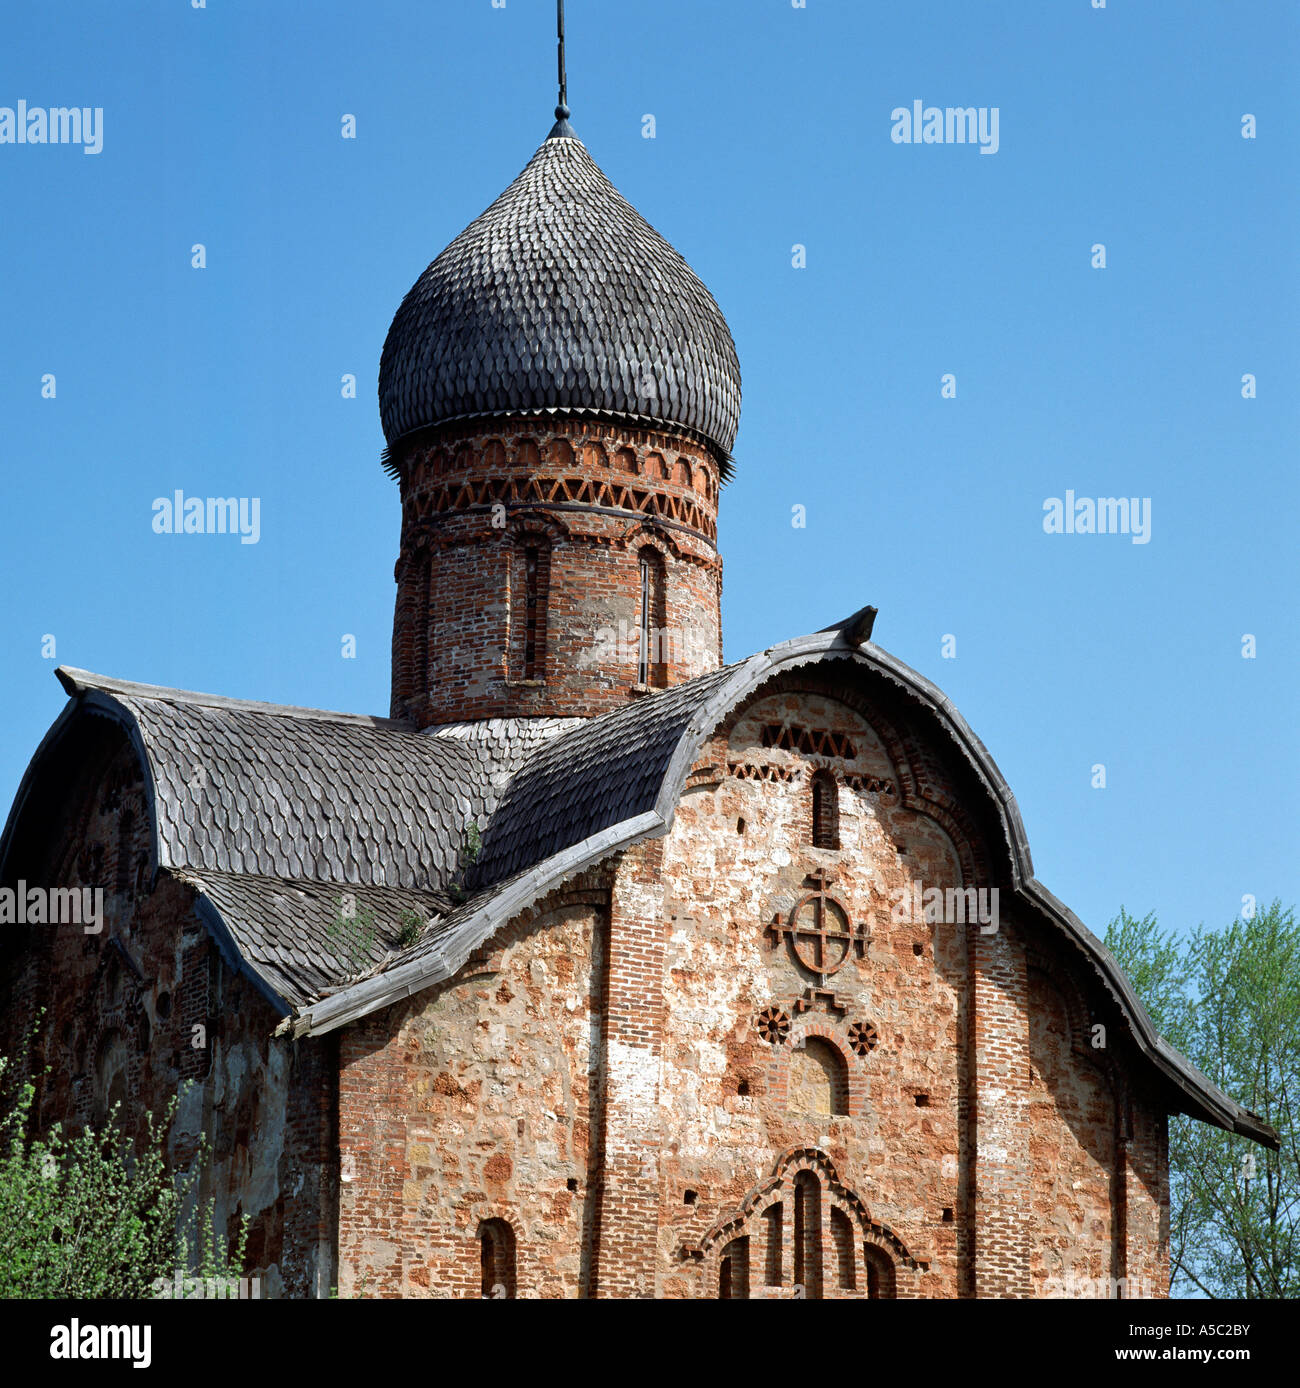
(598, 967)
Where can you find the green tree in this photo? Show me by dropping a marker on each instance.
(1230, 1001)
(96, 1214)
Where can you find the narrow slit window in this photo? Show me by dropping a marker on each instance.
(773, 1259)
(643, 640)
(652, 635)
(842, 1239)
(420, 675)
(530, 580)
(530, 612)
(808, 1235)
(497, 1260)
(123, 880)
(825, 811)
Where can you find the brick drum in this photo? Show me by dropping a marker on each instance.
(589, 501)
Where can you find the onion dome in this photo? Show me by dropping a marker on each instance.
(561, 298)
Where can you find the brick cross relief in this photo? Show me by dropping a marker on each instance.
(820, 933)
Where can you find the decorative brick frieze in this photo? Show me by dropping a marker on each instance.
(528, 536)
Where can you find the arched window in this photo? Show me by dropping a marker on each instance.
(842, 1240)
(825, 810)
(880, 1274)
(733, 1271)
(819, 1081)
(808, 1235)
(112, 1072)
(652, 637)
(497, 1258)
(773, 1252)
(530, 584)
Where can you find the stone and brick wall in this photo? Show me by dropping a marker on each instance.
(766, 1055)
(730, 1062)
(474, 1103)
(132, 1012)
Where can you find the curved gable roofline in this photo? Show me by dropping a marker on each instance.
(719, 694)
(87, 682)
(235, 791)
(88, 702)
(273, 790)
(70, 717)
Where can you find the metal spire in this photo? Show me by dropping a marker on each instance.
(562, 128)
(564, 78)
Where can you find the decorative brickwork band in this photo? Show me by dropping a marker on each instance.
(552, 568)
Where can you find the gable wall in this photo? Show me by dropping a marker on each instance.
(1028, 1168)
(726, 968)
(600, 1077)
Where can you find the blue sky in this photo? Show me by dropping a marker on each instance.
(1119, 126)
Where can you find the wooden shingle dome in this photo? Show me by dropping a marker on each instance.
(561, 298)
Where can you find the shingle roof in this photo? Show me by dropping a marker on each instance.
(604, 771)
(561, 297)
(270, 791)
(500, 746)
(275, 815)
(578, 835)
(305, 938)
